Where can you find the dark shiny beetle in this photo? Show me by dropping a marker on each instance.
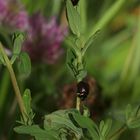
(82, 90)
(74, 2)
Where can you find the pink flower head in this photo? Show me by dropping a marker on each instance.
(3, 9)
(45, 38)
(21, 20)
(13, 15)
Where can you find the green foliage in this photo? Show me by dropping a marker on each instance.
(27, 103)
(73, 18)
(36, 132)
(86, 111)
(57, 126)
(89, 41)
(78, 45)
(70, 124)
(132, 63)
(24, 64)
(60, 122)
(67, 125)
(18, 39)
(105, 128)
(132, 117)
(75, 63)
(88, 124)
(1, 59)
(29, 114)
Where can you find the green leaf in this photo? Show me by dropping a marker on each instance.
(132, 117)
(1, 59)
(101, 126)
(27, 100)
(27, 103)
(73, 18)
(75, 66)
(89, 41)
(36, 131)
(81, 74)
(72, 61)
(107, 127)
(85, 122)
(73, 43)
(59, 121)
(128, 112)
(86, 111)
(135, 123)
(18, 39)
(24, 65)
(137, 111)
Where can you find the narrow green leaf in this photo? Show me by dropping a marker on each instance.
(107, 128)
(89, 41)
(86, 111)
(1, 59)
(27, 100)
(71, 61)
(18, 43)
(27, 103)
(73, 18)
(137, 111)
(101, 126)
(85, 122)
(71, 42)
(128, 112)
(135, 123)
(24, 64)
(82, 8)
(18, 39)
(82, 74)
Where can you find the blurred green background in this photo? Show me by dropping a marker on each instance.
(112, 62)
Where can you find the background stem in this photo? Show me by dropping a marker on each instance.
(118, 132)
(4, 88)
(105, 19)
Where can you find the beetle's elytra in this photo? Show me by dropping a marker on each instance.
(82, 90)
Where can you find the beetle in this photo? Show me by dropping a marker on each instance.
(74, 2)
(82, 90)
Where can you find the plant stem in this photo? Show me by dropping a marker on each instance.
(14, 82)
(4, 88)
(105, 19)
(118, 132)
(78, 103)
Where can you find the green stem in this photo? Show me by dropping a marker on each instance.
(4, 88)
(82, 8)
(14, 82)
(105, 19)
(118, 132)
(78, 103)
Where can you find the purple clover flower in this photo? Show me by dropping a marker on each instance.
(21, 21)
(44, 39)
(3, 9)
(13, 15)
